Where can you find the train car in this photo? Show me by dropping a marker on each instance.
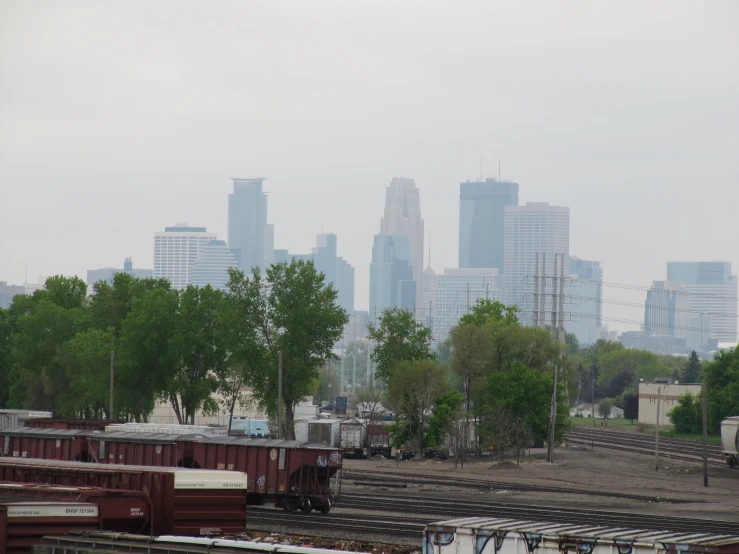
(14, 418)
(185, 502)
(478, 535)
(23, 523)
(292, 474)
(352, 438)
(730, 440)
(64, 423)
(120, 511)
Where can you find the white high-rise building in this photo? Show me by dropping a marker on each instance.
(211, 267)
(457, 292)
(176, 250)
(536, 228)
(403, 217)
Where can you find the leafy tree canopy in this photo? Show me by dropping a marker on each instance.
(398, 338)
(486, 311)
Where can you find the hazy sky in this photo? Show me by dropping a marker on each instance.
(118, 118)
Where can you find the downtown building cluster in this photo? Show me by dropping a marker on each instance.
(517, 254)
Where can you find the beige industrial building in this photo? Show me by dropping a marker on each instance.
(164, 413)
(669, 396)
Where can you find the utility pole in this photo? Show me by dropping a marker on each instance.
(561, 308)
(341, 366)
(370, 380)
(112, 371)
(554, 298)
(542, 291)
(656, 427)
(354, 356)
(705, 434)
(535, 311)
(279, 396)
(330, 398)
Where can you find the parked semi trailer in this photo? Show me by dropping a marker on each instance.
(730, 440)
(477, 535)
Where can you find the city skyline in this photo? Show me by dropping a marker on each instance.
(94, 165)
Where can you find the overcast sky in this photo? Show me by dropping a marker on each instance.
(118, 118)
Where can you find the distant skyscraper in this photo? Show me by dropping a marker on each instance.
(712, 293)
(482, 222)
(176, 250)
(534, 228)
(336, 269)
(665, 311)
(391, 274)
(108, 273)
(211, 267)
(250, 237)
(585, 297)
(403, 217)
(457, 292)
(8, 292)
(428, 297)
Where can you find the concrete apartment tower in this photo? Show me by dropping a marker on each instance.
(176, 250)
(482, 222)
(534, 228)
(211, 267)
(403, 217)
(250, 237)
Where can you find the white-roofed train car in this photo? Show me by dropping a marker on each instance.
(479, 535)
(730, 440)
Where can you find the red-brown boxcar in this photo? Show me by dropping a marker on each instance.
(24, 523)
(120, 511)
(293, 474)
(185, 501)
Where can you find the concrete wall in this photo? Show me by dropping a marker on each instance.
(164, 413)
(669, 399)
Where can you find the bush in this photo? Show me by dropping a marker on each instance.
(687, 416)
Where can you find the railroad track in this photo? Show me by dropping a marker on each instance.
(435, 509)
(645, 444)
(368, 477)
(351, 525)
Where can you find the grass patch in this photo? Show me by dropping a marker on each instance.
(689, 436)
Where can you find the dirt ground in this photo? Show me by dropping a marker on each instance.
(599, 470)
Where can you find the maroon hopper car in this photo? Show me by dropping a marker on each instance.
(186, 502)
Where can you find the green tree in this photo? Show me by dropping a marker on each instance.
(412, 390)
(722, 387)
(486, 311)
(85, 359)
(691, 372)
(471, 348)
(525, 394)
(629, 403)
(295, 313)
(687, 416)
(40, 325)
(143, 354)
(398, 338)
(5, 349)
(604, 408)
(622, 368)
(444, 417)
(197, 354)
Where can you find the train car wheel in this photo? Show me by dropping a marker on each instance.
(306, 506)
(326, 508)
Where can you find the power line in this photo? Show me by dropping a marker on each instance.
(639, 305)
(640, 288)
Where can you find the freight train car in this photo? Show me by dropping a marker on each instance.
(120, 511)
(291, 474)
(184, 501)
(730, 440)
(23, 523)
(477, 535)
(14, 418)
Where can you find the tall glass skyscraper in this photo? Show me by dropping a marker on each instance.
(482, 222)
(250, 237)
(586, 299)
(711, 293)
(391, 274)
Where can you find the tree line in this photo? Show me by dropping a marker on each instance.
(179, 346)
